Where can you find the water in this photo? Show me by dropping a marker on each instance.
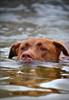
(40, 80)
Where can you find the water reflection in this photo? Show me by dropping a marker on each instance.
(25, 80)
(32, 80)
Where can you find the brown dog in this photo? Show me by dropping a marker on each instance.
(41, 49)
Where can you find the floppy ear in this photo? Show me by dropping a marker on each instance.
(61, 48)
(14, 49)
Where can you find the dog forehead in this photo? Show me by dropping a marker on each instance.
(33, 41)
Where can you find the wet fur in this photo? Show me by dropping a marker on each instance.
(42, 49)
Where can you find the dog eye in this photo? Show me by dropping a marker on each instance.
(39, 44)
(43, 49)
(27, 45)
(23, 48)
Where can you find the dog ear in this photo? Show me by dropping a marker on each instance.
(61, 48)
(14, 49)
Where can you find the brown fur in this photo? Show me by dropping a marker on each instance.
(42, 49)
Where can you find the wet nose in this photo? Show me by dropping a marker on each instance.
(26, 56)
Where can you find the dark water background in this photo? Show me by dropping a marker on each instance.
(20, 19)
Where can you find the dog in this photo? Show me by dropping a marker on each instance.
(40, 49)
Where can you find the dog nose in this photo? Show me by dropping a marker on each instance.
(26, 56)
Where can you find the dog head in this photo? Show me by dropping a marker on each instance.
(42, 49)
